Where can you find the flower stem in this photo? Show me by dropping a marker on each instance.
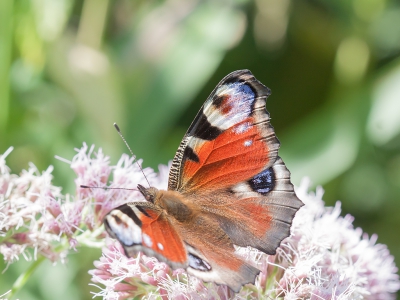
(23, 278)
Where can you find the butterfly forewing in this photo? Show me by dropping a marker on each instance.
(141, 226)
(230, 139)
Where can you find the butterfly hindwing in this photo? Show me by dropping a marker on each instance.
(234, 274)
(257, 212)
(230, 140)
(211, 254)
(141, 226)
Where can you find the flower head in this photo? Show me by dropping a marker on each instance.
(34, 214)
(27, 203)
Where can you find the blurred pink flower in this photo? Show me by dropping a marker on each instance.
(94, 170)
(27, 204)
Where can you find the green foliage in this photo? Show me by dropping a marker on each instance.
(69, 69)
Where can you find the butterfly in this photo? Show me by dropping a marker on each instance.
(227, 186)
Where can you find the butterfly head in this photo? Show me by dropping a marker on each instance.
(149, 194)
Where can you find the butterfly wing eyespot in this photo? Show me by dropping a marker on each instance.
(197, 263)
(213, 259)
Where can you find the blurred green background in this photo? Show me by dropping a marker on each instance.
(69, 69)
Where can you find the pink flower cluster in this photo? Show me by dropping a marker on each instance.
(31, 214)
(124, 278)
(327, 258)
(324, 258)
(36, 218)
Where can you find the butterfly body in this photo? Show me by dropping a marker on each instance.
(176, 206)
(227, 186)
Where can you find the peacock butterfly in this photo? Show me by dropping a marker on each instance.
(227, 186)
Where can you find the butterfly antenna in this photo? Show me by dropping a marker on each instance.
(105, 188)
(130, 150)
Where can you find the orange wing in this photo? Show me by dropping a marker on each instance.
(141, 226)
(229, 141)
